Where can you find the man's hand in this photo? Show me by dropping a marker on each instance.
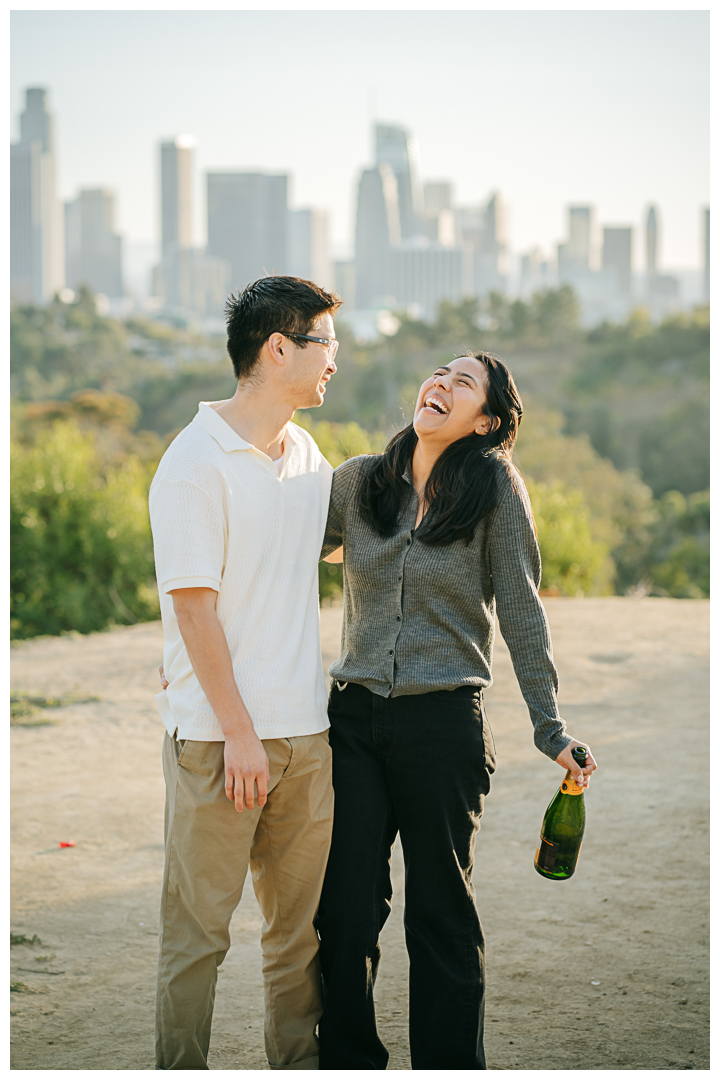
(246, 765)
(580, 776)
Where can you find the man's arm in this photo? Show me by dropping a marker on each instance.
(246, 763)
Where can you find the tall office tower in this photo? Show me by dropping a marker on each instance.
(176, 167)
(394, 146)
(438, 217)
(377, 229)
(93, 251)
(438, 196)
(706, 252)
(307, 246)
(422, 275)
(344, 282)
(617, 257)
(533, 273)
(247, 224)
(192, 284)
(36, 241)
(651, 244)
(581, 225)
(662, 292)
(490, 248)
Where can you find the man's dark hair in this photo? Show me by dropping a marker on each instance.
(272, 304)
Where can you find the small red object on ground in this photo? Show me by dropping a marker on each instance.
(67, 843)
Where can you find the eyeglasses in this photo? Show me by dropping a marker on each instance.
(331, 343)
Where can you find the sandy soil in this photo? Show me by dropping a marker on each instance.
(605, 971)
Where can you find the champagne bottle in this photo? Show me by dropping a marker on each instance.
(563, 827)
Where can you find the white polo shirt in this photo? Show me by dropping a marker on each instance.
(225, 517)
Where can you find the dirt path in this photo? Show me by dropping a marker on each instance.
(608, 970)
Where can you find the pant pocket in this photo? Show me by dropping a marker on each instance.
(203, 758)
(489, 741)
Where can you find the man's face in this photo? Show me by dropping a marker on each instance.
(313, 366)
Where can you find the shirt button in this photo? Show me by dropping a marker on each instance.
(400, 577)
(390, 652)
(398, 618)
(409, 540)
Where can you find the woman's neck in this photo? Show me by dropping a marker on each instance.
(424, 457)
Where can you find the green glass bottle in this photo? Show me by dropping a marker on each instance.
(563, 827)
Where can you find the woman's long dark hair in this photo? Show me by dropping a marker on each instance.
(462, 487)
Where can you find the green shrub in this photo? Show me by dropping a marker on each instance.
(573, 562)
(81, 546)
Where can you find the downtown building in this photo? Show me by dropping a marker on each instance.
(410, 250)
(247, 224)
(482, 229)
(36, 227)
(662, 291)
(190, 282)
(308, 252)
(706, 253)
(93, 250)
(598, 270)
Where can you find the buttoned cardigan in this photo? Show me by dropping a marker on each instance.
(420, 617)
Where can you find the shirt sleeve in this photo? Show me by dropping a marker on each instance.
(342, 482)
(189, 536)
(514, 559)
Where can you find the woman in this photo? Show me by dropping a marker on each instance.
(437, 535)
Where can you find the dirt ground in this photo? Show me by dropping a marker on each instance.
(606, 971)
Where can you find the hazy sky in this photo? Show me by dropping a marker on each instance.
(548, 107)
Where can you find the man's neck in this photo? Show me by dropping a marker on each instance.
(258, 417)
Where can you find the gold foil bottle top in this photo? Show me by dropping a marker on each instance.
(569, 787)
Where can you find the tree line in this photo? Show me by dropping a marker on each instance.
(613, 443)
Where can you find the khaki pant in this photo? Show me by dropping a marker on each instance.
(208, 847)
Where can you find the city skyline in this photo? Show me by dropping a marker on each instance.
(414, 247)
(666, 103)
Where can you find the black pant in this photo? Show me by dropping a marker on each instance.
(419, 765)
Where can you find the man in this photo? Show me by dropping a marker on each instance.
(238, 508)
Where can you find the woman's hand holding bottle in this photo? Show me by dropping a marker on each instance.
(581, 776)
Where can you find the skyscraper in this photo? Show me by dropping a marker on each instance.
(581, 225)
(422, 275)
(190, 283)
(706, 252)
(484, 230)
(247, 224)
(92, 249)
(617, 257)
(176, 168)
(377, 229)
(576, 257)
(395, 147)
(438, 217)
(662, 292)
(307, 252)
(36, 242)
(438, 196)
(651, 244)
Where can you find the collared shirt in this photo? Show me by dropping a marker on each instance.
(421, 617)
(225, 518)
